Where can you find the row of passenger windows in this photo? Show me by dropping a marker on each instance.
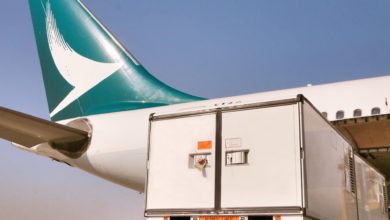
(356, 113)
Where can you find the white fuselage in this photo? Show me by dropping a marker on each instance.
(119, 140)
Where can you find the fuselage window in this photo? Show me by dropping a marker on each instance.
(357, 113)
(340, 114)
(325, 114)
(375, 111)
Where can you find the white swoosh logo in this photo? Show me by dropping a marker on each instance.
(82, 73)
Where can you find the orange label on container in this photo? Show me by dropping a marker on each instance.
(277, 217)
(204, 145)
(166, 218)
(218, 218)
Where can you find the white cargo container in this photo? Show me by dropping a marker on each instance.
(274, 160)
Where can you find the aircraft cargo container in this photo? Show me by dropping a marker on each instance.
(279, 160)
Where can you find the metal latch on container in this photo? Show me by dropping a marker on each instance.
(236, 157)
(201, 163)
(199, 160)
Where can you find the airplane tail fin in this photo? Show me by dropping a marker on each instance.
(86, 70)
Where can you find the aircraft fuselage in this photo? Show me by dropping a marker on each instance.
(118, 147)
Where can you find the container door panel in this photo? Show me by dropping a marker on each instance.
(261, 164)
(181, 163)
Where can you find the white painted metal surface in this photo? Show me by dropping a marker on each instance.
(174, 182)
(272, 175)
(329, 193)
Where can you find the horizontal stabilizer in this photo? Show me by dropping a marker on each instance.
(30, 131)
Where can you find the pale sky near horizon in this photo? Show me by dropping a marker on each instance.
(206, 48)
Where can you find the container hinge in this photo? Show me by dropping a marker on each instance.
(350, 172)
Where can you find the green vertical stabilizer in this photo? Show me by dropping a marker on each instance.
(86, 71)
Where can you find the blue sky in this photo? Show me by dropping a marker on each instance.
(206, 48)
